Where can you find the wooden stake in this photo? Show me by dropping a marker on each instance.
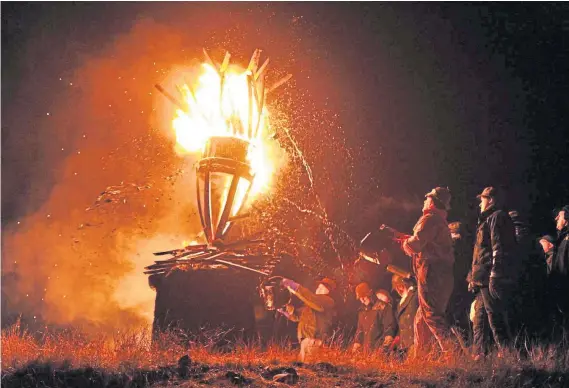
(172, 99)
(225, 62)
(261, 69)
(279, 83)
(250, 113)
(254, 62)
(208, 59)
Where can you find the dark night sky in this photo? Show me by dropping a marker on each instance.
(459, 95)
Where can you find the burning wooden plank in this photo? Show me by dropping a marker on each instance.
(279, 83)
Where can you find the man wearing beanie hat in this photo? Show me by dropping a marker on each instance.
(494, 271)
(430, 246)
(376, 321)
(314, 318)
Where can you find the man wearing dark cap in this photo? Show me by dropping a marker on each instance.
(430, 246)
(561, 261)
(494, 271)
(314, 318)
(559, 274)
(376, 320)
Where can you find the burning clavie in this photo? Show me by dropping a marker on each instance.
(224, 117)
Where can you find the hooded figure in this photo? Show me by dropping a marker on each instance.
(430, 246)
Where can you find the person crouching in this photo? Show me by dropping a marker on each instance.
(315, 318)
(376, 320)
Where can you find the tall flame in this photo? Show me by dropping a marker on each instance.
(222, 104)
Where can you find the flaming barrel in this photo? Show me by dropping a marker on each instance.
(223, 182)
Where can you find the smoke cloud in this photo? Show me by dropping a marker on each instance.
(118, 188)
(120, 194)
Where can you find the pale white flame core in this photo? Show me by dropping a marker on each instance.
(216, 113)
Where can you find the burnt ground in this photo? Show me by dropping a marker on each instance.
(188, 373)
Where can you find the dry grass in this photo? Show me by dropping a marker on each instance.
(129, 358)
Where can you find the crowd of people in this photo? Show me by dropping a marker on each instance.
(498, 289)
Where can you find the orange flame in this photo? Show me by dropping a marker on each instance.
(222, 105)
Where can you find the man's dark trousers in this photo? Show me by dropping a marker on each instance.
(492, 309)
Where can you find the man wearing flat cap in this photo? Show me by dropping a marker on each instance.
(315, 318)
(430, 246)
(559, 275)
(494, 271)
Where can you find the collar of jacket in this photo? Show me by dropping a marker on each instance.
(486, 213)
(439, 212)
(562, 233)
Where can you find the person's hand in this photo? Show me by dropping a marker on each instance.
(387, 340)
(472, 287)
(395, 234)
(290, 284)
(355, 347)
(287, 311)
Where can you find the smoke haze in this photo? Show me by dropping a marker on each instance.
(120, 194)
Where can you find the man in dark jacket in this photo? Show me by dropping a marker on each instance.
(494, 271)
(460, 300)
(315, 318)
(430, 246)
(559, 275)
(406, 311)
(376, 322)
